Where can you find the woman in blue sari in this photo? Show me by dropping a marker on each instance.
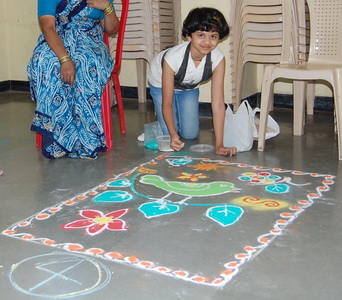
(68, 71)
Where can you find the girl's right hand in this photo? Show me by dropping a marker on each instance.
(176, 144)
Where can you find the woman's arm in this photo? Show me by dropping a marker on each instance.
(218, 108)
(47, 25)
(168, 77)
(110, 23)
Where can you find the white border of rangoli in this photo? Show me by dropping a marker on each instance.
(231, 267)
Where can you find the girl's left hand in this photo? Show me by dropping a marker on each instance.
(226, 151)
(99, 4)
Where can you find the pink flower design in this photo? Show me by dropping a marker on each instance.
(96, 221)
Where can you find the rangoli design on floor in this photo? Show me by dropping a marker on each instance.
(156, 215)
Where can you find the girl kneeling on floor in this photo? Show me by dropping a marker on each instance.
(176, 73)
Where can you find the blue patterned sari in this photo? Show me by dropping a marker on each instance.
(69, 118)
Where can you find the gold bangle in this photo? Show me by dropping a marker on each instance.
(109, 9)
(64, 59)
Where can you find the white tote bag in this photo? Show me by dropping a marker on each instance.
(239, 127)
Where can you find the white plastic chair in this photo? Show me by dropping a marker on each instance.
(324, 63)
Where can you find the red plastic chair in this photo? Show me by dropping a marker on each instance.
(106, 107)
(106, 111)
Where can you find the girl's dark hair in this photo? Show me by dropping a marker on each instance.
(205, 19)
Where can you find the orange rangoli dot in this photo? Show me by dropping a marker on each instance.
(163, 269)
(74, 247)
(54, 209)
(232, 264)
(180, 273)
(146, 264)
(322, 188)
(133, 259)
(217, 281)
(42, 217)
(281, 221)
(263, 240)
(241, 255)
(28, 237)
(312, 195)
(49, 242)
(249, 248)
(96, 251)
(286, 215)
(115, 255)
(200, 279)
(70, 202)
(227, 272)
(23, 224)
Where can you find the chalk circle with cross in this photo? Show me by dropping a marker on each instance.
(59, 275)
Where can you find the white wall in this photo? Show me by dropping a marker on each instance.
(19, 31)
(19, 22)
(4, 64)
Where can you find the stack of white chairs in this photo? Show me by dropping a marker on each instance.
(151, 26)
(258, 35)
(165, 17)
(324, 63)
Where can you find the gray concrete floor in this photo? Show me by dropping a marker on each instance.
(304, 263)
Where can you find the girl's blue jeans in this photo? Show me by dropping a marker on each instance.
(185, 108)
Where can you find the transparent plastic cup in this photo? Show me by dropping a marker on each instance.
(164, 143)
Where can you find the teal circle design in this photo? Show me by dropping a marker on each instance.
(182, 161)
(245, 178)
(113, 196)
(119, 183)
(277, 188)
